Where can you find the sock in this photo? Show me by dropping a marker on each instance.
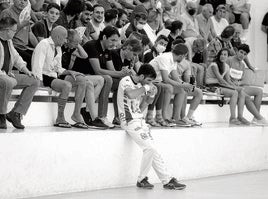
(61, 107)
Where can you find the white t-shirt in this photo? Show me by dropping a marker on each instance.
(128, 109)
(219, 26)
(163, 62)
(99, 28)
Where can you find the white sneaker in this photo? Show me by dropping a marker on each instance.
(262, 122)
(254, 121)
(188, 121)
(107, 123)
(196, 123)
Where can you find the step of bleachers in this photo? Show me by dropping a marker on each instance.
(45, 160)
(44, 113)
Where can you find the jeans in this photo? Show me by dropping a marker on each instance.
(20, 81)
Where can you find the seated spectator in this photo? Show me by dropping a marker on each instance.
(192, 73)
(158, 48)
(110, 17)
(84, 20)
(199, 52)
(165, 66)
(236, 40)
(4, 4)
(204, 23)
(99, 62)
(10, 58)
(223, 41)
(24, 38)
(137, 22)
(70, 13)
(122, 18)
(42, 28)
(97, 19)
(70, 51)
(241, 11)
(190, 24)
(218, 21)
(175, 33)
(214, 3)
(218, 75)
(126, 59)
(237, 68)
(47, 67)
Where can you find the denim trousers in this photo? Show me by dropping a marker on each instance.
(29, 86)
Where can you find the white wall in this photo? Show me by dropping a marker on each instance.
(257, 38)
(44, 161)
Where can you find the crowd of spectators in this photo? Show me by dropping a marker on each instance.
(88, 46)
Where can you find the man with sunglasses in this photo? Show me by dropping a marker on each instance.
(9, 57)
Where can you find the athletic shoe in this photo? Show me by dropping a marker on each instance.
(234, 121)
(97, 123)
(116, 122)
(262, 122)
(152, 122)
(196, 123)
(165, 123)
(174, 184)
(182, 123)
(243, 120)
(15, 119)
(107, 123)
(144, 184)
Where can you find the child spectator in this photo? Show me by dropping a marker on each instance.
(42, 28)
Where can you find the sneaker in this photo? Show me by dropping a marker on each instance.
(174, 184)
(3, 123)
(145, 184)
(86, 115)
(196, 123)
(152, 122)
(234, 121)
(116, 122)
(182, 123)
(97, 124)
(188, 121)
(243, 120)
(262, 122)
(15, 119)
(107, 123)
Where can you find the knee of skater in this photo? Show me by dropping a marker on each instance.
(35, 83)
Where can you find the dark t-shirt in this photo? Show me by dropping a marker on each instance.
(265, 23)
(40, 29)
(66, 57)
(117, 60)
(6, 56)
(149, 56)
(94, 50)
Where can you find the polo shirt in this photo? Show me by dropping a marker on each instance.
(94, 50)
